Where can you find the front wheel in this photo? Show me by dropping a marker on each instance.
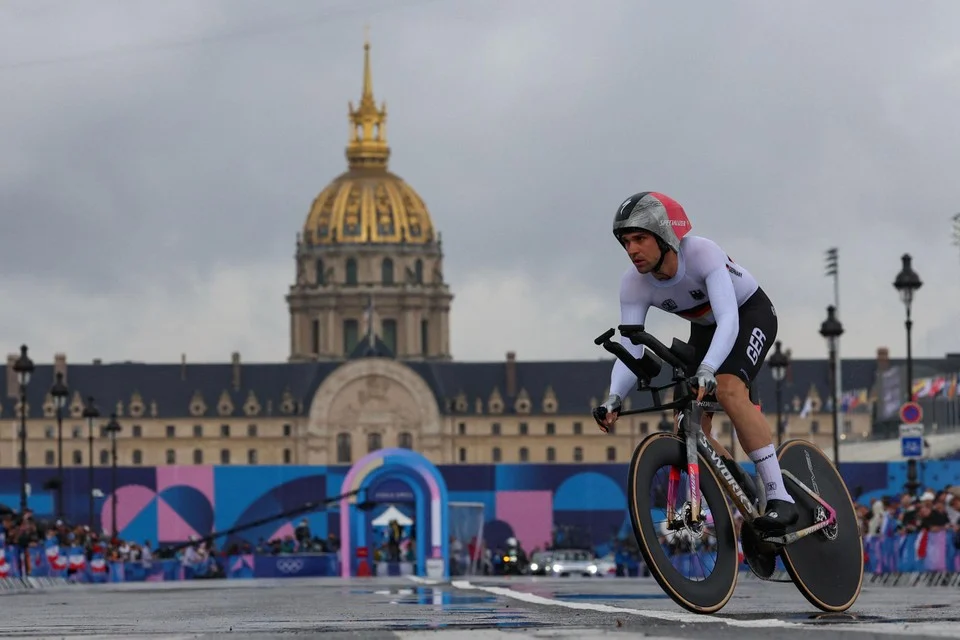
(827, 565)
(696, 565)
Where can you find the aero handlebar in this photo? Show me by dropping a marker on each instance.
(647, 367)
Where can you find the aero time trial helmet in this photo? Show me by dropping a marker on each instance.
(654, 213)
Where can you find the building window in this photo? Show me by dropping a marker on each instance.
(523, 428)
(496, 454)
(373, 442)
(287, 456)
(171, 431)
(77, 432)
(462, 428)
(137, 431)
(814, 426)
(644, 428)
(49, 457)
(224, 456)
(224, 431)
(171, 456)
(386, 271)
(424, 337)
(524, 454)
(463, 454)
(351, 335)
(252, 456)
(49, 432)
(847, 426)
(78, 457)
(198, 456)
(315, 337)
(577, 428)
(611, 454)
(551, 429)
(578, 454)
(418, 271)
(390, 334)
(405, 440)
(551, 454)
(321, 278)
(287, 430)
(198, 431)
(351, 271)
(343, 448)
(137, 457)
(495, 428)
(251, 431)
(104, 456)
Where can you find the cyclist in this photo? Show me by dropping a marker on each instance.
(733, 324)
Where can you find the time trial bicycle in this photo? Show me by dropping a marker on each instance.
(690, 513)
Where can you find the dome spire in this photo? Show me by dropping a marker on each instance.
(367, 147)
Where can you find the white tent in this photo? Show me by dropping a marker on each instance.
(392, 513)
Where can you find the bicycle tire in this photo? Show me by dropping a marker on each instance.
(709, 596)
(829, 573)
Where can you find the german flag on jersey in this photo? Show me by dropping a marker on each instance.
(698, 313)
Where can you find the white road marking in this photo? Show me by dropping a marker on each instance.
(896, 628)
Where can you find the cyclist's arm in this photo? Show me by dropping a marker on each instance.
(634, 302)
(723, 302)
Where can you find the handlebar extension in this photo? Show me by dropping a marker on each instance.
(638, 335)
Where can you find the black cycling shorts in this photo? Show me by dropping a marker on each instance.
(758, 330)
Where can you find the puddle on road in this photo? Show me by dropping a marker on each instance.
(458, 611)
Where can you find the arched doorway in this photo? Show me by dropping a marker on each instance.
(429, 493)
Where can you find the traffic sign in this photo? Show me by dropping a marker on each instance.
(911, 440)
(911, 413)
(911, 446)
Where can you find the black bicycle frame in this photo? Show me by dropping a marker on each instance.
(689, 413)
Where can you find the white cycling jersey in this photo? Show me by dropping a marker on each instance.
(708, 289)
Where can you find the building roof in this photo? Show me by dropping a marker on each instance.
(279, 389)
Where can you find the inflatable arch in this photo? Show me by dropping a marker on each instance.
(430, 495)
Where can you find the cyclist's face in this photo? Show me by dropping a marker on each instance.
(643, 250)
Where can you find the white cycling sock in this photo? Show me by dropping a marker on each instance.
(769, 469)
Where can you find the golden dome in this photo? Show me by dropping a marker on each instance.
(368, 204)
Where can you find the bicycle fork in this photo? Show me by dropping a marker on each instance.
(691, 432)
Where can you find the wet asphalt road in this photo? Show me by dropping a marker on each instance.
(481, 609)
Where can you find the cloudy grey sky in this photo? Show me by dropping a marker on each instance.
(159, 158)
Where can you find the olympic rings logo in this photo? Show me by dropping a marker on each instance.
(289, 565)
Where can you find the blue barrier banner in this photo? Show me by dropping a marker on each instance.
(288, 566)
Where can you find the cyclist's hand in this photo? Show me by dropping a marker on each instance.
(607, 413)
(705, 381)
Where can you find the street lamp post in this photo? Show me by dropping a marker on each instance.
(778, 369)
(90, 412)
(24, 368)
(907, 283)
(59, 391)
(831, 329)
(113, 428)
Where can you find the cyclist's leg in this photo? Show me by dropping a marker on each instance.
(758, 330)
